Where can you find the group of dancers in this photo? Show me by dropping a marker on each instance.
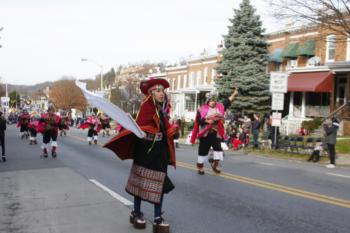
(50, 125)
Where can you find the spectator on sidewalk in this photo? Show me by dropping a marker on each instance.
(2, 136)
(331, 129)
(256, 129)
(318, 148)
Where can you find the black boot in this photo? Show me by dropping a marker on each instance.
(4, 158)
(200, 167)
(137, 220)
(45, 154)
(160, 226)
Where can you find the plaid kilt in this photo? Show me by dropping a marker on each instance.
(146, 183)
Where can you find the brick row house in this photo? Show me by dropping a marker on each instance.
(189, 83)
(317, 62)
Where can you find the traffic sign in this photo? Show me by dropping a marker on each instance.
(276, 119)
(277, 101)
(278, 82)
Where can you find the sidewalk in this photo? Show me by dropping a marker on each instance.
(58, 200)
(342, 160)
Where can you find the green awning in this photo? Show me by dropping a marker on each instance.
(276, 55)
(291, 51)
(308, 49)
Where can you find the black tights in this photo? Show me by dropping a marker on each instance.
(157, 207)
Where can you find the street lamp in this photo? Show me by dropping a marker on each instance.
(101, 70)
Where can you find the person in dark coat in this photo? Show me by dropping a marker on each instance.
(256, 129)
(148, 179)
(331, 131)
(2, 136)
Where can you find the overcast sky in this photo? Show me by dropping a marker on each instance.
(44, 40)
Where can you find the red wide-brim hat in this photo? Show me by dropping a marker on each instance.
(145, 85)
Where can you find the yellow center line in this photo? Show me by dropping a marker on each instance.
(264, 184)
(276, 187)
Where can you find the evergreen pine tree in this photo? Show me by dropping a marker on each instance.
(244, 62)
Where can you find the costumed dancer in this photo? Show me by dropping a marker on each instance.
(23, 122)
(94, 125)
(33, 125)
(209, 128)
(105, 122)
(148, 179)
(64, 123)
(48, 126)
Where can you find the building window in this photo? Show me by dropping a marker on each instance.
(292, 63)
(330, 48)
(278, 66)
(297, 98)
(193, 79)
(182, 81)
(317, 99)
(190, 100)
(348, 50)
(186, 81)
(206, 78)
(213, 76)
(199, 78)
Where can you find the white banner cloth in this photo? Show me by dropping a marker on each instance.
(112, 110)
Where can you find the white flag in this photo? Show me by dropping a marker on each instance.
(112, 110)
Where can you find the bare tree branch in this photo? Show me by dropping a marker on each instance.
(331, 14)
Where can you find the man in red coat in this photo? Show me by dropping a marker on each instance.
(48, 126)
(23, 124)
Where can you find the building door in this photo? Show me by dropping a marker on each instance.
(341, 91)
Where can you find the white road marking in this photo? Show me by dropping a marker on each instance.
(267, 164)
(340, 175)
(112, 193)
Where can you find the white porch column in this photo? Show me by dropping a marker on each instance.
(291, 111)
(291, 104)
(183, 104)
(195, 102)
(303, 104)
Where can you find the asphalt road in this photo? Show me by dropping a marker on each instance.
(253, 194)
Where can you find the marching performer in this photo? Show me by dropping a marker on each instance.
(209, 129)
(48, 126)
(64, 123)
(33, 125)
(105, 122)
(23, 122)
(94, 125)
(148, 179)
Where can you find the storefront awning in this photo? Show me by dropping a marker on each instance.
(276, 55)
(311, 82)
(291, 51)
(308, 49)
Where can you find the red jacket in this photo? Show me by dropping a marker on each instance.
(149, 122)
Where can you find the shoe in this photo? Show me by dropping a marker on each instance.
(215, 167)
(45, 154)
(95, 141)
(90, 143)
(200, 168)
(330, 166)
(4, 158)
(160, 226)
(137, 220)
(54, 154)
(201, 172)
